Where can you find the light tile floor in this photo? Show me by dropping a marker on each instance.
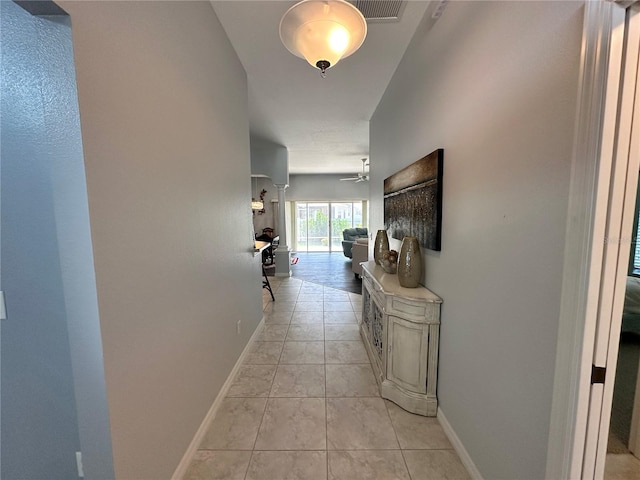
(305, 404)
(621, 467)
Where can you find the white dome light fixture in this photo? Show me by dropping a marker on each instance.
(323, 31)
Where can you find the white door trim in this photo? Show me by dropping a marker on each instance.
(586, 223)
(620, 220)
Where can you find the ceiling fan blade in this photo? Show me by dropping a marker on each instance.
(349, 179)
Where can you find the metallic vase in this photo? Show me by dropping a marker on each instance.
(380, 246)
(409, 263)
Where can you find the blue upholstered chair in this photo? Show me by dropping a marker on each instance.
(349, 236)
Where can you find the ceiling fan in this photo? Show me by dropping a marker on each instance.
(360, 177)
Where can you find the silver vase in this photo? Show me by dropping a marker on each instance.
(380, 246)
(409, 263)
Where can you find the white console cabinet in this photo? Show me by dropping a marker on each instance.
(401, 329)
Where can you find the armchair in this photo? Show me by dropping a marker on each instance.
(349, 236)
(360, 251)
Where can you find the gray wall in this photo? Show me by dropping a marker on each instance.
(163, 104)
(53, 393)
(270, 159)
(325, 188)
(494, 84)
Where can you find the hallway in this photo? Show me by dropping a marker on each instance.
(305, 404)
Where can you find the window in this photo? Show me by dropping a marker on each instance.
(635, 250)
(319, 225)
(634, 254)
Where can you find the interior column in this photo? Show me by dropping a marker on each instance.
(282, 253)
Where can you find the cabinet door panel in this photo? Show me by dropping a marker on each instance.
(405, 306)
(407, 356)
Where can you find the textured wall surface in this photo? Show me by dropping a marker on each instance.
(163, 104)
(494, 84)
(39, 424)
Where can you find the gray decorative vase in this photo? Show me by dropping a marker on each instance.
(409, 263)
(380, 246)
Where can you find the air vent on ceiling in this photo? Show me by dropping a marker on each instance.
(380, 10)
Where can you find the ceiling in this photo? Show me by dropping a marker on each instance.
(323, 122)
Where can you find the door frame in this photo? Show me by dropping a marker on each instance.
(599, 195)
(626, 153)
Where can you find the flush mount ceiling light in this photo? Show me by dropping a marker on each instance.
(323, 31)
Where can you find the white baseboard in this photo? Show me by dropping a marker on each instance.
(465, 458)
(204, 426)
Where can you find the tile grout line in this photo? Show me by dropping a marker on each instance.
(397, 439)
(253, 449)
(405, 464)
(326, 400)
(246, 472)
(266, 404)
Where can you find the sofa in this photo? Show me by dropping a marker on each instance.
(349, 235)
(360, 252)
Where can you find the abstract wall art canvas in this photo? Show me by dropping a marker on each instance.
(413, 201)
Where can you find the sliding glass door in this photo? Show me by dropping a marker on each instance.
(319, 225)
(312, 227)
